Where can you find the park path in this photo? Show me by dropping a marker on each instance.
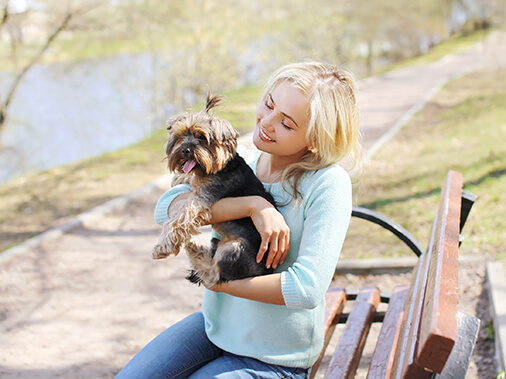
(81, 303)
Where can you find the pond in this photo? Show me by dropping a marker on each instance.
(66, 112)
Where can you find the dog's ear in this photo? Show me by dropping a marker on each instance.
(171, 121)
(228, 131)
(227, 137)
(212, 101)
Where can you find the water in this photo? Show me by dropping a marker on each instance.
(67, 112)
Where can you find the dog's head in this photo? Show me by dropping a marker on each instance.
(200, 143)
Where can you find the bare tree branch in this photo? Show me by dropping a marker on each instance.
(61, 27)
(5, 14)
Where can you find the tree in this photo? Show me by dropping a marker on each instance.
(8, 18)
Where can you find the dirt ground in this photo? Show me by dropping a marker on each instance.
(81, 307)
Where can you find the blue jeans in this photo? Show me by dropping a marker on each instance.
(184, 351)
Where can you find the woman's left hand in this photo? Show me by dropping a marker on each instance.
(274, 231)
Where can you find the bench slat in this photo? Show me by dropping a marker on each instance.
(346, 358)
(438, 331)
(384, 352)
(335, 300)
(428, 299)
(404, 361)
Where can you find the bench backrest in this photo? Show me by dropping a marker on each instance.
(429, 326)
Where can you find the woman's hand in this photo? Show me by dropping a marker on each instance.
(274, 231)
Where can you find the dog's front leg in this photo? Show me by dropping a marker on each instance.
(180, 228)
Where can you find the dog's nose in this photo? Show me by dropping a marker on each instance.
(186, 151)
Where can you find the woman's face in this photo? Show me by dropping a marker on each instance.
(281, 123)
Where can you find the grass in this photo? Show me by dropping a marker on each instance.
(463, 128)
(239, 107)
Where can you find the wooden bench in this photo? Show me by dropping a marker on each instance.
(423, 334)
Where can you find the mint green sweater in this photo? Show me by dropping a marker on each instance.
(292, 334)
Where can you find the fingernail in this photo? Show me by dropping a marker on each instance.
(269, 266)
(274, 266)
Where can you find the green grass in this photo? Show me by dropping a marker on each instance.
(463, 129)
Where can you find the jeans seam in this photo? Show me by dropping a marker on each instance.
(292, 375)
(201, 363)
(183, 370)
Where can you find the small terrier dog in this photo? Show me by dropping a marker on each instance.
(201, 151)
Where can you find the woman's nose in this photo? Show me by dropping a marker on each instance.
(266, 121)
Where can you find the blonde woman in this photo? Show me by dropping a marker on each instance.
(272, 326)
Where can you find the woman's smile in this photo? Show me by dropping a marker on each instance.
(263, 136)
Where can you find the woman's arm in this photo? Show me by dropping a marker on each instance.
(327, 213)
(271, 225)
(266, 289)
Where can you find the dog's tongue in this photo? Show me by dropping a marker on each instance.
(188, 166)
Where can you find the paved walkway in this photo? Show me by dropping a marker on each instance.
(79, 301)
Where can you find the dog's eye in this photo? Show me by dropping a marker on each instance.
(201, 137)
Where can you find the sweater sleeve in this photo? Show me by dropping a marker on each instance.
(327, 213)
(167, 198)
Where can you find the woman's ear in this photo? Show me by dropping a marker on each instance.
(311, 146)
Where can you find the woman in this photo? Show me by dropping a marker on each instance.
(272, 326)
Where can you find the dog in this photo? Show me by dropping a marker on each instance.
(201, 151)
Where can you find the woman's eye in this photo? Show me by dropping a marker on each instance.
(286, 126)
(266, 102)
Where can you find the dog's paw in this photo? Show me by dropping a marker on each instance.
(161, 251)
(203, 268)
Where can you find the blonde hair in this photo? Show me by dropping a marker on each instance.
(333, 128)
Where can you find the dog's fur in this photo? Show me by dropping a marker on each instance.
(201, 151)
